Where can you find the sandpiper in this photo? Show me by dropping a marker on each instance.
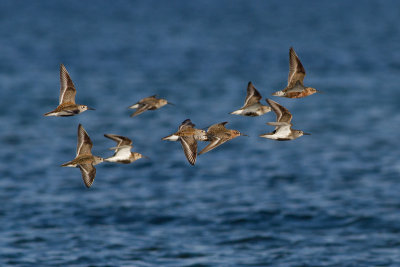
(123, 152)
(252, 106)
(148, 103)
(67, 106)
(217, 134)
(295, 87)
(84, 158)
(283, 126)
(188, 135)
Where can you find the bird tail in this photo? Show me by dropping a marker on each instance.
(267, 135)
(278, 93)
(171, 137)
(134, 106)
(237, 112)
(51, 113)
(69, 164)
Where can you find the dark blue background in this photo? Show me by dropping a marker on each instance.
(329, 199)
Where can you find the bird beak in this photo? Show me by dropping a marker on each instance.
(145, 157)
(306, 134)
(89, 108)
(169, 103)
(321, 92)
(243, 135)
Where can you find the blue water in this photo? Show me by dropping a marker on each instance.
(329, 199)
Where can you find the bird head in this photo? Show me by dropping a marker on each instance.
(84, 107)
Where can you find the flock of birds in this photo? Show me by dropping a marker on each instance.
(187, 134)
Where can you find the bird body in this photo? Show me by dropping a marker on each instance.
(295, 87)
(67, 105)
(252, 106)
(283, 126)
(84, 159)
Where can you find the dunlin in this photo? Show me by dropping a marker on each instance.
(123, 152)
(188, 135)
(84, 158)
(252, 106)
(148, 103)
(283, 126)
(217, 134)
(67, 106)
(295, 87)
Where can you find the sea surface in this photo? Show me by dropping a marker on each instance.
(329, 199)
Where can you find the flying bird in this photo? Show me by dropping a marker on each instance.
(252, 106)
(123, 152)
(188, 136)
(283, 126)
(295, 87)
(84, 159)
(148, 103)
(217, 134)
(67, 105)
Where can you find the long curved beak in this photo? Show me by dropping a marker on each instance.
(306, 133)
(169, 103)
(89, 108)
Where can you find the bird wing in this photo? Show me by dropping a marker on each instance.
(88, 173)
(296, 69)
(189, 146)
(84, 143)
(67, 89)
(282, 114)
(253, 96)
(186, 124)
(121, 140)
(217, 127)
(142, 108)
(147, 99)
(217, 141)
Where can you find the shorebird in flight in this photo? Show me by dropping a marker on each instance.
(123, 152)
(188, 136)
(67, 106)
(84, 159)
(217, 134)
(148, 103)
(283, 126)
(295, 87)
(252, 106)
